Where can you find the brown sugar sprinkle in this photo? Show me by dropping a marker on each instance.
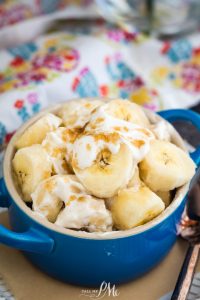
(49, 185)
(88, 147)
(69, 135)
(145, 131)
(74, 161)
(138, 143)
(65, 135)
(46, 174)
(111, 138)
(79, 130)
(117, 128)
(125, 129)
(58, 152)
(92, 126)
(88, 105)
(64, 165)
(72, 198)
(99, 120)
(75, 189)
(81, 199)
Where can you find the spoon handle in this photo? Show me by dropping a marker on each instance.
(186, 274)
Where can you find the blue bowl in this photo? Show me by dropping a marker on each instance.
(88, 259)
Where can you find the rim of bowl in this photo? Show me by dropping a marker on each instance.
(15, 194)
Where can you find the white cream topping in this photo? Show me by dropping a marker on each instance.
(53, 121)
(47, 204)
(53, 190)
(90, 213)
(58, 149)
(78, 113)
(87, 147)
(81, 210)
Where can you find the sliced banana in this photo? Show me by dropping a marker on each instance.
(128, 111)
(162, 130)
(58, 144)
(135, 181)
(75, 114)
(165, 196)
(166, 167)
(37, 132)
(133, 207)
(108, 172)
(80, 210)
(31, 165)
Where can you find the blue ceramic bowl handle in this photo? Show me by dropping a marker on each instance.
(32, 240)
(184, 115)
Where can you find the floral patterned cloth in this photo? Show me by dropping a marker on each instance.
(15, 11)
(94, 59)
(91, 61)
(63, 65)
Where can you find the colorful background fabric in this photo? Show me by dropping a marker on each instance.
(15, 11)
(89, 59)
(96, 60)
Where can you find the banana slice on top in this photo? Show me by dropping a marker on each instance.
(128, 111)
(37, 132)
(63, 199)
(136, 137)
(31, 165)
(58, 144)
(103, 168)
(131, 207)
(166, 166)
(75, 114)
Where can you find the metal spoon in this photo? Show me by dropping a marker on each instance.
(189, 229)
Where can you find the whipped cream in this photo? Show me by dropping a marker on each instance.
(51, 193)
(107, 132)
(58, 144)
(80, 209)
(87, 147)
(77, 113)
(88, 213)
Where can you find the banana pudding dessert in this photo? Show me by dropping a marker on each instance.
(99, 166)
